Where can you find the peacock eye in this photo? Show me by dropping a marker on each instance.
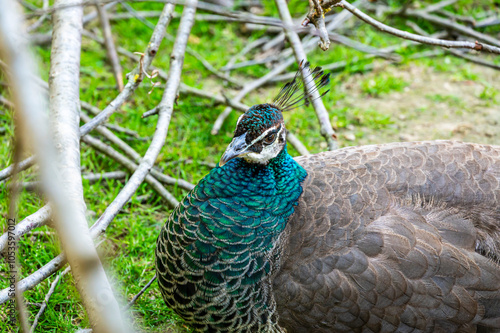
(270, 138)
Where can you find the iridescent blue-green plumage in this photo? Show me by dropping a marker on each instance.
(215, 253)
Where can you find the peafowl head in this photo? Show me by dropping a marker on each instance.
(260, 133)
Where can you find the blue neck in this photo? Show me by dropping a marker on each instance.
(224, 243)
(251, 202)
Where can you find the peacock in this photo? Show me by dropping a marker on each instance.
(400, 237)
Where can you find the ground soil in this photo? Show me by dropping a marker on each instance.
(435, 105)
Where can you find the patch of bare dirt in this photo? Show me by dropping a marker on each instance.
(435, 105)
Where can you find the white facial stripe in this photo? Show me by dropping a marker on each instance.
(268, 151)
(265, 134)
(239, 119)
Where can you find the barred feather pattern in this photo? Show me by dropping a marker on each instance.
(218, 251)
(400, 237)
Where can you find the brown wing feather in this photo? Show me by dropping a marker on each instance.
(394, 238)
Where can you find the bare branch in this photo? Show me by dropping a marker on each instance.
(135, 78)
(300, 56)
(110, 46)
(23, 165)
(4, 101)
(421, 39)
(90, 278)
(41, 19)
(112, 153)
(130, 152)
(47, 297)
(446, 23)
(136, 297)
(316, 16)
(35, 278)
(35, 220)
(165, 111)
(439, 5)
(250, 46)
(457, 53)
(249, 88)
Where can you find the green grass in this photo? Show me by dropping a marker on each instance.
(128, 247)
(382, 84)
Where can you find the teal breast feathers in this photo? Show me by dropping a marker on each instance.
(217, 245)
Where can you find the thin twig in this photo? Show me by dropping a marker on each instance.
(135, 78)
(446, 23)
(47, 297)
(110, 46)
(439, 5)
(136, 297)
(136, 157)
(216, 9)
(41, 19)
(5, 102)
(166, 108)
(36, 277)
(190, 51)
(455, 17)
(92, 178)
(249, 47)
(457, 53)
(95, 111)
(421, 39)
(23, 165)
(131, 166)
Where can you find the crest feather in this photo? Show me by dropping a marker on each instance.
(293, 92)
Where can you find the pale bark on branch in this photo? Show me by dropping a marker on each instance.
(300, 56)
(32, 98)
(417, 38)
(165, 113)
(110, 46)
(91, 281)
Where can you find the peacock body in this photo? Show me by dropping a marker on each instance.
(402, 237)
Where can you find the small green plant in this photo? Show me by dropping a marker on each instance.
(451, 100)
(369, 118)
(489, 94)
(382, 84)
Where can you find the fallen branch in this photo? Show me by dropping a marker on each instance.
(417, 38)
(457, 53)
(136, 297)
(110, 46)
(300, 56)
(297, 144)
(131, 166)
(136, 157)
(446, 23)
(89, 275)
(35, 220)
(47, 298)
(41, 19)
(23, 165)
(166, 108)
(135, 78)
(56, 263)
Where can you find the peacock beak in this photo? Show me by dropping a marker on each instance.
(237, 147)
